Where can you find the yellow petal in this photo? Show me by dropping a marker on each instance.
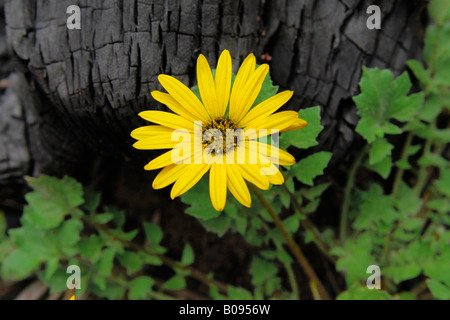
(252, 173)
(166, 159)
(218, 186)
(251, 91)
(276, 179)
(274, 154)
(298, 124)
(223, 81)
(269, 170)
(278, 121)
(239, 85)
(184, 96)
(267, 107)
(149, 131)
(167, 119)
(190, 177)
(237, 186)
(207, 86)
(162, 141)
(168, 175)
(161, 161)
(173, 105)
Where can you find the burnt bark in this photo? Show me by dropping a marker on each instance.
(85, 87)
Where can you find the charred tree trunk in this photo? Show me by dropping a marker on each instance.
(81, 90)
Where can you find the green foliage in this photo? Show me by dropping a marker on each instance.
(403, 228)
(56, 231)
(382, 98)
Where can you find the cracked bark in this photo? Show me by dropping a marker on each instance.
(85, 87)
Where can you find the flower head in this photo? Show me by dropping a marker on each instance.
(221, 133)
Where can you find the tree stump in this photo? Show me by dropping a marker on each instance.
(88, 85)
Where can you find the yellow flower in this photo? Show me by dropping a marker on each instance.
(221, 134)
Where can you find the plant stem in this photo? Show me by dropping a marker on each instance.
(287, 266)
(425, 172)
(403, 157)
(172, 263)
(347, 192)
(308, 225)
(301, 259)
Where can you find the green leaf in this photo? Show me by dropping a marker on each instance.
(198, 199)
(187, 258)
(51, 199)
(127, 236)
(235, 293)
(357, 292)
(383, 168)
(231, 210)
(150, 259)
(92, 199)
(354, 258)
(379, 150)
(219, 225)
(18, 265)
(177, 282)
(285, 199)
(405, 108)
(311, 206)
(308, 168)
(57, 282)
(131, 261)
(406, 201)
(104, 218)
(314, 192)
(443, 184)
(36, 242)
(292, 223)
(105, 264)
(153, 232)
(90, 248)
(306, 137)
(50, 267)
(241, 223)
(69, 233)
(432, 159)
(382, 98)
(140, 288)
(404, 272)
(6, 247)
(290, 184)
(419, 71)
(375, 208)
(100, 282)
(113, 291)
(431, 108)
(119, 216)
(283, 256)
(439, 11)
(429, 132)
(262, 271)
(436, 266)
(438, 289)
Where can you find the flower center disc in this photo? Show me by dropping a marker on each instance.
(215, 137)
